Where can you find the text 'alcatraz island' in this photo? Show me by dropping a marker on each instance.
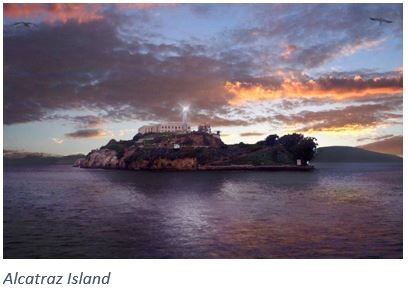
(64, 279)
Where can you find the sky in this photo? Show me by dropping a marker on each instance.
(78, 75)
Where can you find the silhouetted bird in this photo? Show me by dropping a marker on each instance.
(380, 20)
(25, 24)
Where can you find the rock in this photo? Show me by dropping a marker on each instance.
(177, 164)
(103, 158)
(78, 162)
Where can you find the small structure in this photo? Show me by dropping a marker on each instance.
(217, 135)
(176, 146)
(204, 128)
(298, 162)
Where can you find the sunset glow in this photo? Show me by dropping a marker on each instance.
(323, 88)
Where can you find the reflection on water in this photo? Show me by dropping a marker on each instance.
(337, 211)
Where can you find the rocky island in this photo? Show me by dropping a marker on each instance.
(202, 151)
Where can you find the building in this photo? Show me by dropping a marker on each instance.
(204, 128)
(165, 127)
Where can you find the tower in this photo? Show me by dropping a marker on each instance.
(185, 110)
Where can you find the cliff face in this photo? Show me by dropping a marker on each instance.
(108, 159)
(152, 152)
(103, 158)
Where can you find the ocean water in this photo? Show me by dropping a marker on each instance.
(336, 211)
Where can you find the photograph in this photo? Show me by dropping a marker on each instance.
(202, 131)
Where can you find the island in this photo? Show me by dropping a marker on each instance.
(202, 150)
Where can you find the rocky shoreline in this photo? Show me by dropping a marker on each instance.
(257, 168)
(275, 168)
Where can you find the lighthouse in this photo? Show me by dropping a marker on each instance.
(184, 111)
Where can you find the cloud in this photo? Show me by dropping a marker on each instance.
(375, 138)
(101, 72)
(247, 134)
(88, 121)
(288, 50)
(143, 5)
(63, 12)
(350, 118)
(127, 131)
(289, 85)
(88, 133)
(118, 71)
(54, 12)
(320, 32)
(392, 145)
(57, 140)
(215, 120)
(318, 54)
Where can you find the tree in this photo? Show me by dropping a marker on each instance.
(289, 141)
(271, 140)
(306, 149)
(299, 146)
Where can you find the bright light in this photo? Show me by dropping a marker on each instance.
(185, 109)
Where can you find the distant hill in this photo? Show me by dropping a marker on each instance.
(352, 154)
(39, 159)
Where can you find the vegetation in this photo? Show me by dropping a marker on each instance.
(272, 150)
(118, 147)
(209, 150)
(299, 146)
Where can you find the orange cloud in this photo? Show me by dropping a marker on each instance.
(55, 12)
(337, 88)
(245, 134)
(63, 12)
(21, 10)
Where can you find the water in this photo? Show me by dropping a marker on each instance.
(337, 211)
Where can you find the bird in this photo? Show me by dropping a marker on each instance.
(380, 20)
(25, 24)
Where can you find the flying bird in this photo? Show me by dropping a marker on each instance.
(25, 24)
(380, 20)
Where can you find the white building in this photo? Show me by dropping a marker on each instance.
(165, 127)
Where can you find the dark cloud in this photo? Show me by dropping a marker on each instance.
(89, 66)
(83, 121)
(392, 145)
(87, 133)
(89, 121)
